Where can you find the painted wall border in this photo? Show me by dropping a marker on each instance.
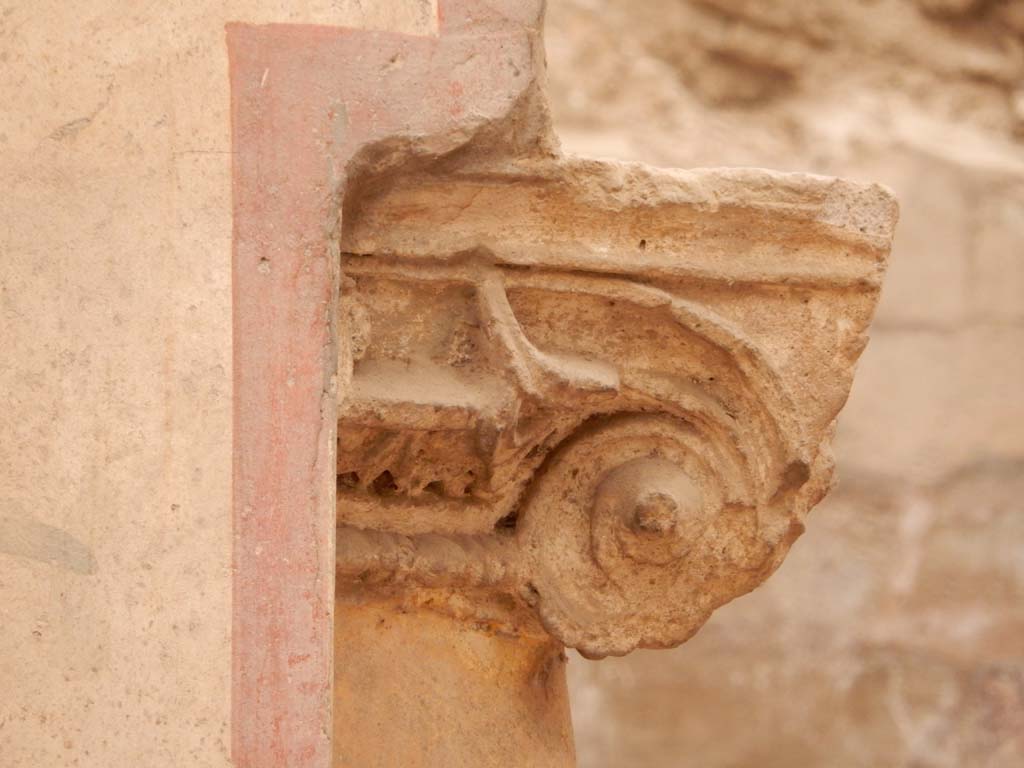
(305, 101)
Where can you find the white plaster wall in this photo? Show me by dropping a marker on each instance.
(115, 373)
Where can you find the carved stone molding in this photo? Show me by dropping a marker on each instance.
(603, 389)
(557, 400)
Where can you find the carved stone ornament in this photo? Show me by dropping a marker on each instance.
(597, 394)
(606, 390)
(541, 400)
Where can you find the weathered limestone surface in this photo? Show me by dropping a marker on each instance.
(433, 680)
(580, 399)
(892, 635)
(541, 348)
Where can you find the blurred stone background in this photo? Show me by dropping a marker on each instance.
(894, 633)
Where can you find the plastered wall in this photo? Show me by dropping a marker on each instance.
(115, 331)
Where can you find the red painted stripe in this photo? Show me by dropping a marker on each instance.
(304, 99)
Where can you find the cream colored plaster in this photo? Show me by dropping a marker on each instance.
(115, 326)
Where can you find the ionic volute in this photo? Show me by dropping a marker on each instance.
(601, 392)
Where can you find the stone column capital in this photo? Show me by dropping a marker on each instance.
(573, 398)
(604, 390)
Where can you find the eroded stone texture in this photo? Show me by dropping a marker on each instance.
(604, 391)
(891, 635)
(430, 682)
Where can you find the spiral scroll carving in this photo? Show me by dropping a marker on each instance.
(613, 402)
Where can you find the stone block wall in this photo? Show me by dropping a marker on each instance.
(894, 633)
